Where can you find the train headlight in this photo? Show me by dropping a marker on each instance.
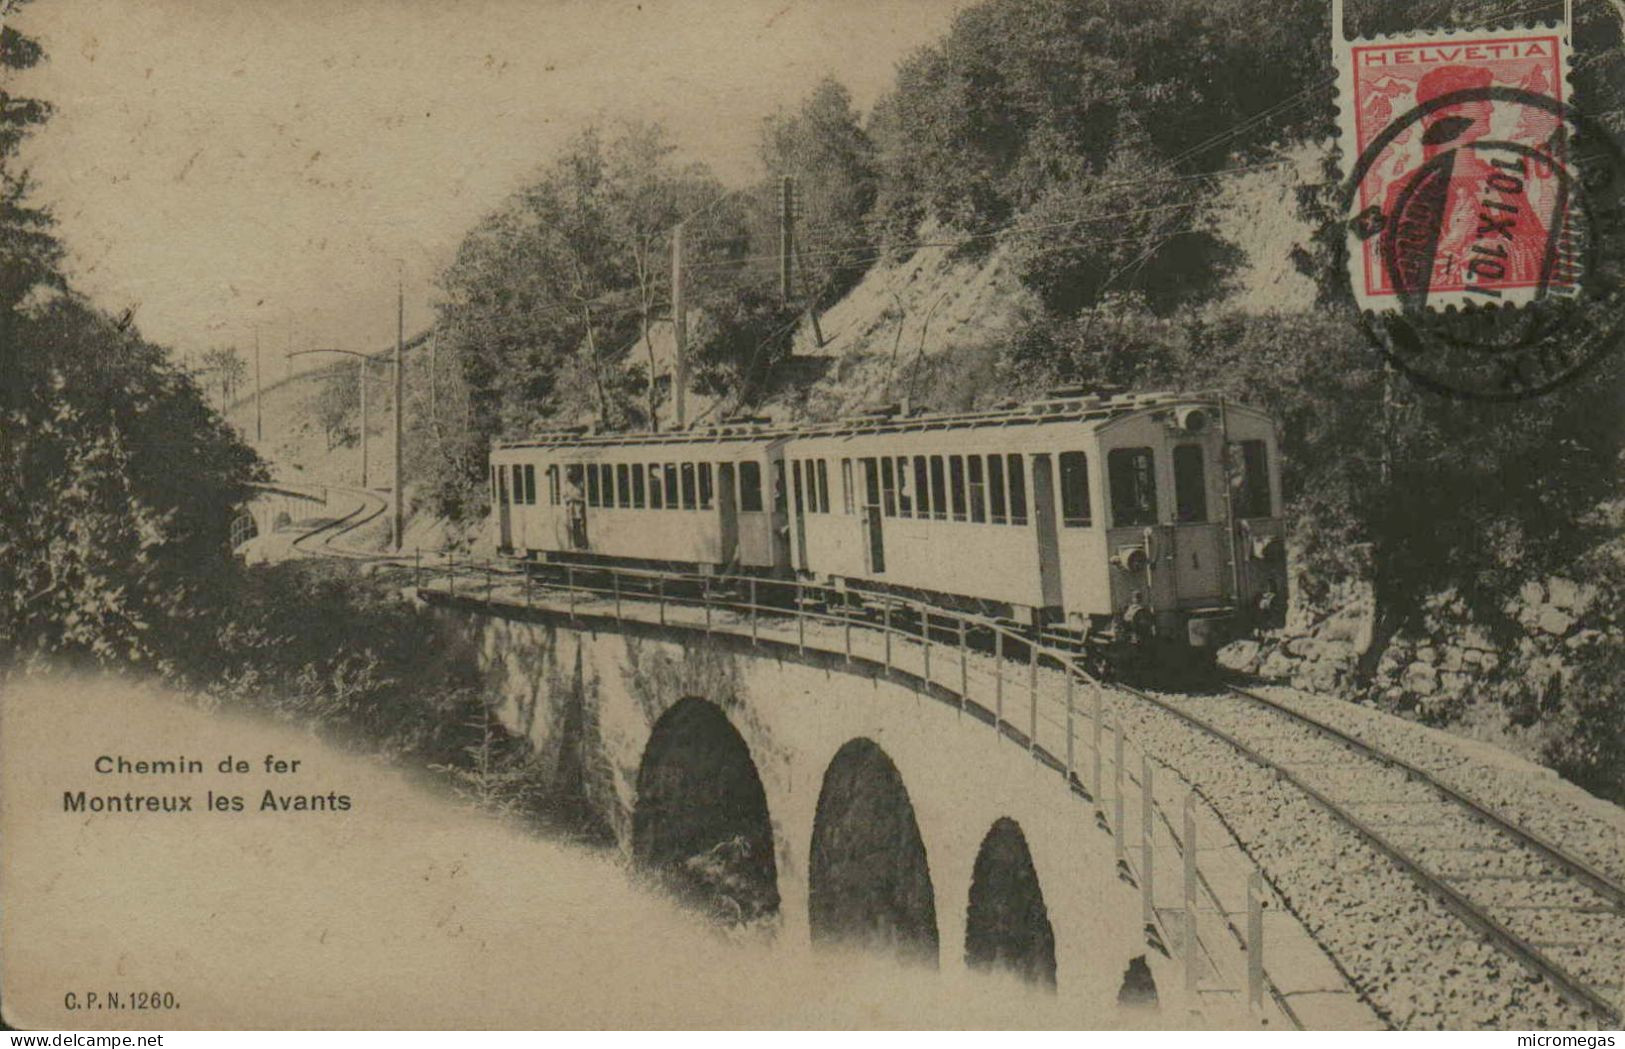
(1191, 420)
(1131, 559)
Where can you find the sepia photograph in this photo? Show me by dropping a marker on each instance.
(812, 515)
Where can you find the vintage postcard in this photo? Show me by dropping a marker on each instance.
(829, 515)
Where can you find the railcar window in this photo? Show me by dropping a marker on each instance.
(1075, 490)
(823, 486)
(750, 487)
(846, 486)
(871, 483)
(1018, 488)
(996, 490)
(939, 489)
(707, 492)
(795, 482)
(1190, 484)
(688, 486)
(623, 485)
(501, 475)
(780, 498)
(1133, 475)
(606, 484)
(671, 485)
(518, 485)
(573, 481)
(922, 487)
(657, 488)
(905, 501)
(1255, 479)
(888, 487)
(553, 485)
(592, 484)
(495, 487)
(530, 484)
(637, 486)
(956, 483)
(978, 490)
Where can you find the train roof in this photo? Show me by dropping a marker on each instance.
(1059, 406)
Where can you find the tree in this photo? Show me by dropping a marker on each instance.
(226, 370)
(742, 340)
(120, 480)
(337, 406)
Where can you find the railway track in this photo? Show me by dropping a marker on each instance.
(323, 538)
(1554, 913)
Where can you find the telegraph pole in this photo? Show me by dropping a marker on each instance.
(400, 402)
(259, 415)
(679, 325)
(787, 235)
(362, 367)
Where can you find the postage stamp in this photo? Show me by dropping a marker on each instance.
(1460, 191)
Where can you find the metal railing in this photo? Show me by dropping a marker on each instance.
(986, 667)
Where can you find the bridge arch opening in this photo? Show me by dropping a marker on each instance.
(700, 822)
(1007, 926)
(869, 882)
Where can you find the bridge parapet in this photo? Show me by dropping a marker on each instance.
(1201, 904)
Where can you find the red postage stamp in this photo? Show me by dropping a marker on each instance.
(1456, 142)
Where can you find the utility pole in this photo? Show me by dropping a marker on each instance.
(259, 414)
(787, 235)
(679, 325)
(362, 366)
(400, 402)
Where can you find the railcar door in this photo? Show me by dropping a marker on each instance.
(1141, 547)
(575, 507)
(799, 509)
(727, 517)
(1198, 546)
(499, 496)
(874, 539)
(1049, 540)
(781, 525)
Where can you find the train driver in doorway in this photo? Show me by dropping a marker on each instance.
(575, 507)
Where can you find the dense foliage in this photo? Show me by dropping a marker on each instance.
(120, 480)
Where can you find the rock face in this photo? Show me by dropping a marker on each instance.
(1442, 662)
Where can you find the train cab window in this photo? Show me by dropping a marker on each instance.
(871, 483)
(637, 486)
(657, 488)
(922, 487)
(823, 486)
(1133, 476)
(553, 485)
(530, 484)
(1190, 484)
(707, 492)
(1255, 480)
(978, 489)
(501, 478)
(846, 486)
(1074, 490)
(573, 482)
(623, 485)
(888, 487)
(688, 486)
(905, 498)
(518, 489)
(996, 489)
(750, 487)
(795, 485)
(1018, 488)
(670, 470)
(780, 497)
(592, 484)
(939, 489)
(606, 484)
(956, 485)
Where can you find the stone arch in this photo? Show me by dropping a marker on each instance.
(868, 877)
(700, 822)
(1007, 926)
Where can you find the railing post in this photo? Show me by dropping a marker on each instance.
(417, 567)
(615, 581)
(998, 678)
(1119, 831)
(1192, 961)
(1071, 743)
(570, 586)
(527, 586)
(487, 584)
(451, 572)
(1147, 837)
(705, 599)
(925, 640)
(1255, 941)
(1032, 691)
(886, 630)
(660, 597)
(1098, 743)
(801, 623)
(753, 611)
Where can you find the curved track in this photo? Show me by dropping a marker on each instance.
(1536, 902)
(325, 536)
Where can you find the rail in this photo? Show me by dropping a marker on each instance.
(960, 657)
